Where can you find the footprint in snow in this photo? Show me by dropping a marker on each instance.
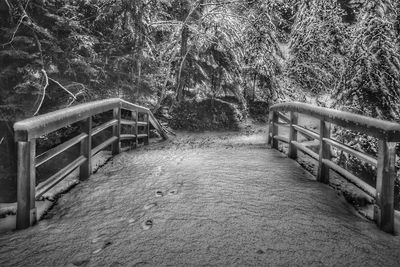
(148, 224)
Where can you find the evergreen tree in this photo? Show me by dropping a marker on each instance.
(317, 42)
(371, 81)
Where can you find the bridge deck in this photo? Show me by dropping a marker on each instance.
(203, 203)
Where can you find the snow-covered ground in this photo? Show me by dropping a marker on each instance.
(202, 199)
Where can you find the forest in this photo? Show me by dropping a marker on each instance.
(172, 55)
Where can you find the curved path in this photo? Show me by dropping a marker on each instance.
(219, 200)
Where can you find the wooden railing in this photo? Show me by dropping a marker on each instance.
(27, 131)
(388, 134)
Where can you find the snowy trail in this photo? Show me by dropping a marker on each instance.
(218, 199)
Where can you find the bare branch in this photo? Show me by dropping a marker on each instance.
(16, 29)
(44, 92)
(62, 87)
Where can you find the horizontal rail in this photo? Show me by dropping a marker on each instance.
(361, 155)
(104, 126)
(283, 118)
(127, 136)
(132, 123)
(281, 138)
(306, 150)
(389, 131)
(58, 177)
(37, 126)
(306, 132)
(103, 145)
(142, 135)
(351, 177)
(51, 153)
(282, 124)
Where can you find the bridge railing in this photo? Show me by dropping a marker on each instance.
(388, 133)
(29, 130)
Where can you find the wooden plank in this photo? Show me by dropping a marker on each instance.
(104, 126)
(381, 129)
(59, 176)
(386, 173)
(103, 145)
(324, 152)
(292, 151)
(26, 210)
(306, 150)
(281, 138)
(51, 153)
(361, 155)
(351, 178)
(141, 136)
(116, 146)
(86, 150)
(309, 133)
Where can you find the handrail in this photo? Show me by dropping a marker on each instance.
(387, 132)
(27, 131)
(378, 128)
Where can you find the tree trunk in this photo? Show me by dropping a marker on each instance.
(181, 77)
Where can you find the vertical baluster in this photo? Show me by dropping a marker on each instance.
(324, 152)
(26, 210)
(116, 146)
(384, 208)
(85, 169)
(292, 152)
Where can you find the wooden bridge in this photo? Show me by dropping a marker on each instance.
(274, 181)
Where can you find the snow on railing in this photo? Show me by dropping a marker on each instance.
(387, 132)
(27, 131)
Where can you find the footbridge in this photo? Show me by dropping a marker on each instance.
(232, 200)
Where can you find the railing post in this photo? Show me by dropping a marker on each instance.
(146, 140)
(85, 169)
(384, 208)
(324, 152)
(292, 151)
(269, 136)
(137, 128)
(116, 146)
(26, 210)
(273, 119)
